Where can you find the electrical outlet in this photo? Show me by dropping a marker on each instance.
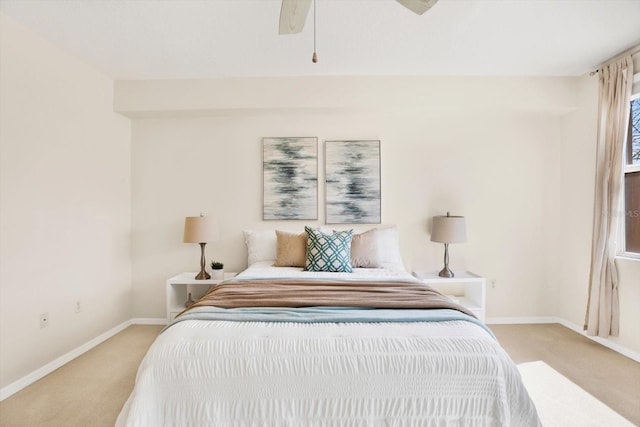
(44, 320)
(493, 283)
(78, 306)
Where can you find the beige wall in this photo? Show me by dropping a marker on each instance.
(573, 245)
(499, 166)
(64, 203)
(629, 293)
(515, 156)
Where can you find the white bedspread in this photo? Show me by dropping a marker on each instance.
(219, 373)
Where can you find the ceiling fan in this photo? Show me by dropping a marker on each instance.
(293, 13)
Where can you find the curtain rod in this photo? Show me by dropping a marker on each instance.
(631, 51)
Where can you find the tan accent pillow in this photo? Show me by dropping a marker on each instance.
(365, 251)
(291, 249)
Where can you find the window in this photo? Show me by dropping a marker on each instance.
(632, 181)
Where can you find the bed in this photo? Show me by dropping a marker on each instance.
(280, 346)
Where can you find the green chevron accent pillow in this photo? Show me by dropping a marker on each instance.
(328, 252)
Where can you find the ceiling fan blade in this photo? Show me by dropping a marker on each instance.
(417, 6)
(293, 13)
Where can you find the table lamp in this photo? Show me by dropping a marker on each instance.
(200, 229)
(448, 229)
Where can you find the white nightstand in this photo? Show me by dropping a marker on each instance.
(465, 288)
(178, 288)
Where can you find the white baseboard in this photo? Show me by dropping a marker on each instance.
(149, 321)
(633, 355)
(520, 320)
(29, 379)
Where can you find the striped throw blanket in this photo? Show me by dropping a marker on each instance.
(314, 292)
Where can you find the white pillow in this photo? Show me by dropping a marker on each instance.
(261, 245)
(389, 247)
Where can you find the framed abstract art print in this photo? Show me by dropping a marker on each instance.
(352, 176)
(290, 178)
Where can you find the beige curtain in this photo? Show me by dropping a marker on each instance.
(616, 80)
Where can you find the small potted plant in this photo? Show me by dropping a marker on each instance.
(217, 270)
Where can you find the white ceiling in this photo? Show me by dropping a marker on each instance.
(168, 39)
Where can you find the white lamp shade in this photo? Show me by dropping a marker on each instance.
(448, 229)
(200, 229)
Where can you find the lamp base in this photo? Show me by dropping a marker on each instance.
(203, 275)
(446, 272)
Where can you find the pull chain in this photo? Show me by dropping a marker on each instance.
(314, 58)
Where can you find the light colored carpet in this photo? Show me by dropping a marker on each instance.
(90, 390)
(561, 403)
(608, 376)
